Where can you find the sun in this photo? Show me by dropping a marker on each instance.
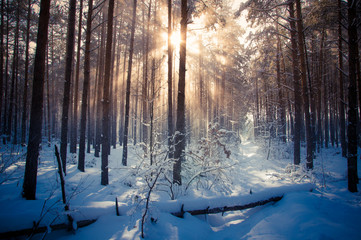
(175, 38)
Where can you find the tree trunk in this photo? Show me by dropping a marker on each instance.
(84, 102)
(136, 106)
(6, 74)
(170, 81)
(352, 99)
(127, 97)
(340, 79)
(26, 78)
(67, 82)
(12, 99)
(48, 97)
(112, 96)
(106, 93)
(74, 125)
(319, 91)
(151, 112)
(90, 133)
(145, 81)
(116, 85)
(180, 138)
(98, 127)
(325, 106)
(256, 122)
(305, 90)
(282, 111)
(1, 61)
(122, 100)
(297, 88)
(36, 114)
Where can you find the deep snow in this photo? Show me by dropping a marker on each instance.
(328, 212)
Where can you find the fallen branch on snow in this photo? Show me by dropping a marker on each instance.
(232, 203)
(28, 231)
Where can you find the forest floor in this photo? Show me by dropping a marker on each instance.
(328, 212)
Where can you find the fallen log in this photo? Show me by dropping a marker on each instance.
(42, 229)
(226, 208)
(232, 203)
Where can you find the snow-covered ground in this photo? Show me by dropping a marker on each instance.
(328, 212)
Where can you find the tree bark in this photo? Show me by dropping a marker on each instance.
(84, 102)
(36, 114)
(297, 88)
(170, 81)
(1, 61)
(352, 99)
(305, 90)
(106, 93)
(12, 99)
(340, 79)
(319, 91)
(122, 101)
(180, 137)
(151, 112)
(6, 74)
(282, 111)
(98, 88)
(67, 82)
(145, 81)
(117, 44)
(127, 97)
(74, 125)
(26, 78)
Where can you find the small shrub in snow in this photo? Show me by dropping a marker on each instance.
(298, 173)
(72, 159)
(90, 162)
(209, 162)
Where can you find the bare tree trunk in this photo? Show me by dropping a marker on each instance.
(122, 101)
(332, 126)
(145, 81)
(320, 71)
(136, 106)
(352, 99)
(116, 83)
(106, 93)
(151, 113)
(297, 88)
(325, 105)
(12, 101)
(48, 97)
(301, 46)
(6, 79)
(98, 129)
(68, 71)
(16, 102)
(36, 114)
(340, 77)
(84, 102)
(74, 125)
(180, 138)
(127, 97)
(26, 77)
(170, 81)
(282, 111)
(256, 122)
(112, 96)
(1, 61)
(90, 128)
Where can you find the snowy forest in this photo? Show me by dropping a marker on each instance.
(180, 119)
